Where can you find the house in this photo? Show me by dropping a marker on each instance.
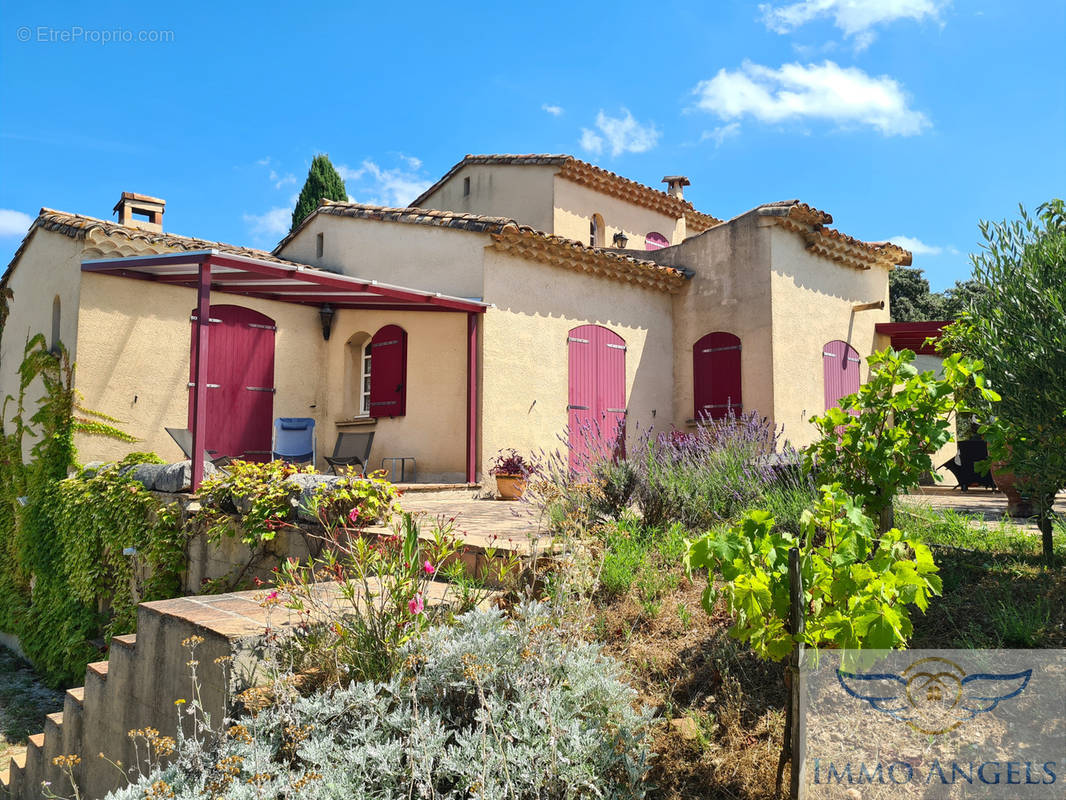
(520, 297)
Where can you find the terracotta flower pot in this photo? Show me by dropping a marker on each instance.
(510, 487)
(1006, 482)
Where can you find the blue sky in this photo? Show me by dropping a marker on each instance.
(902, 118)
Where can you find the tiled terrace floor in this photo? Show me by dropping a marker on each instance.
(991, 506)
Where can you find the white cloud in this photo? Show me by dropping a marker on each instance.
(555, 111)
(370, 183)
(281, 180)
(273, 223)
(14, 223)
(844, 95)
(920, 248)
(853, 17)
(721, 133)
(623, 134)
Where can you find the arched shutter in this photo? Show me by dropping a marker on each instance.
(840, 371)
(388, 372)
(716, 376)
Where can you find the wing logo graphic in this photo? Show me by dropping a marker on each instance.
(933, 695)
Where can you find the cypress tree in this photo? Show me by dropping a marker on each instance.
(323, 181)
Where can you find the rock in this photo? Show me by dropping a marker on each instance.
(853, 794)
(177, 477)
(91, 469)
(685, 727)
(145, 474)
(308, 484)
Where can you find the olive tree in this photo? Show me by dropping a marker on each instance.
(1017, 326)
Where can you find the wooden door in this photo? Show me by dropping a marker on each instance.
(840, 371)
(596, 405)
(240, 383)
(716, 376)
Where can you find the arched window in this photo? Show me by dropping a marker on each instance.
(840, 371)
(57, 313)
(357, 375)
(597, 231)
(716, 376)
(655, 241)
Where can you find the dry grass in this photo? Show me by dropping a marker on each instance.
(720, 712)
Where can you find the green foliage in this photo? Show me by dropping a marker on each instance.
(857, 585)
(490, 707)
(249, 499)
(323, 182)
(648, 558)
(1018, 328)
(63, 579)
(880, 441)
(911, 300)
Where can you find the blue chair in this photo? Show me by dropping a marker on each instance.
(294, 440)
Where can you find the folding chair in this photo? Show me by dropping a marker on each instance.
(183, 438)
(350, 450)
(294, 440)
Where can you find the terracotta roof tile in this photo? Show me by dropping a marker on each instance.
(597, 178)
(511, 236)
(78, 226)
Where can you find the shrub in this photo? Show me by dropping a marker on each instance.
(491, 707)
(712, 474)
(617, 482)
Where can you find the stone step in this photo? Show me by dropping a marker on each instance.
(73, 726)
(32, 772)
(13, 780)
(53, 748)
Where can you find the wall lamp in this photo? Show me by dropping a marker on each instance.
(620, 240)
(326, 314)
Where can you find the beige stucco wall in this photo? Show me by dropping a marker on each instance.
(812, 305)
(522, 193)
(414, 256)
(434, 428)
(524, 384)
(133, 361)
(729, 292)
(575, 205)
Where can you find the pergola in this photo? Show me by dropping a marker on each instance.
(287, 282)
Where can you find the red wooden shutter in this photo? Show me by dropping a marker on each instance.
(716, 376)
(840, 371)
(388, 372)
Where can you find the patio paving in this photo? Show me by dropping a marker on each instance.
(989, 505)
(505, 525)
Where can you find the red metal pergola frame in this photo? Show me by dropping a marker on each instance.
(913, 335)
(287, 282)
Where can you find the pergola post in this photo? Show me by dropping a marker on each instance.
(199, 371)
(471, 396)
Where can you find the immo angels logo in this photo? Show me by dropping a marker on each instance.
(933, 695)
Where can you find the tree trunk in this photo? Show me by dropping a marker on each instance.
(886, 520)
(1043, 521)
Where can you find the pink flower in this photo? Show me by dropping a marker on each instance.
(429, 568)
(353, 515)
(415, 604)
(272, 596)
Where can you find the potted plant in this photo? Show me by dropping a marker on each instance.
(510, 470)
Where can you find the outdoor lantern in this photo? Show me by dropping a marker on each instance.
(326, 313)
(620, 240)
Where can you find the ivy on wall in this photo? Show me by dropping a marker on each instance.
(66, 584)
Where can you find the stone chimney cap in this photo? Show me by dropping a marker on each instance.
(680, 180)
(138, 198)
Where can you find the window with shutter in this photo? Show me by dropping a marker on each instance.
(716, 376)
(388, 372)
(840, 372)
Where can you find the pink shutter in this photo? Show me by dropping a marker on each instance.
(388, 372)
(596, 407)
(240, 383)
(840, 371)
(716, 376)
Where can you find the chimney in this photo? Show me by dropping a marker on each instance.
(675, 185)
(140, 211)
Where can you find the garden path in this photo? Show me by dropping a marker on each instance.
(990, 505)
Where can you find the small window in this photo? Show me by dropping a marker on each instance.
(320, 244)
(364, 381)
(655, 241)
(56, 320)
(596, 231)
(466, 187)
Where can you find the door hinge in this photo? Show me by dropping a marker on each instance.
(192, 384)
(577, 408)
(261, 389)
